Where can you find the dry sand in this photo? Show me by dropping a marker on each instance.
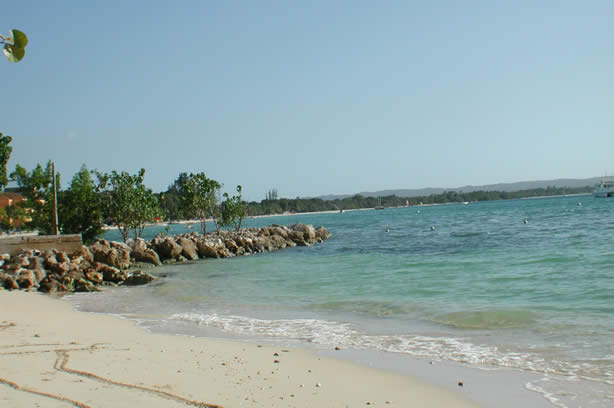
(53, 356)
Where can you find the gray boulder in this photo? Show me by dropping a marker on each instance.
(60, 268)
(40, 274)
(49, 285)
(62, 256)
(297, 237)
(82, 285)
(83, 255)
(26, 279)
(309, 233)
(278, 230)
(103, 252)
(93, 276)
(36, 262)
(231, 245)
(110, 273)
(322, 233)
(142, 253)
(123, 254)
(166, 247)
(188, 248)
(278, 241)
(114, 254)
(138, 278)
(262, 244)
(10, 283)
(207, 249)
(244, 242)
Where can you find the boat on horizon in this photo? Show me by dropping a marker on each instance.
(604, 189)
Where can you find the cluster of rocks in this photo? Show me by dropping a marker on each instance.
(107, 263)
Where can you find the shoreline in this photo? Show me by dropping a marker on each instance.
(53, 355)
(237, 372)
(288, 214)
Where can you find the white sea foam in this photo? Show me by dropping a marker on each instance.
(311, 330)
(332, 333)
(559, 378)
(546, 394)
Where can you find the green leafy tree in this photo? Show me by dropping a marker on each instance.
(170, 201)
(11, 217)
(271, 195)
(127, 202)
(5, 154)
(5, 220)
(37, 187)
(198, 198)
(14, 45)
(233, 209)
(80, 207)
(169, 206)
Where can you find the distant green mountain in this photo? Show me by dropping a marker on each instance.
(507, 187)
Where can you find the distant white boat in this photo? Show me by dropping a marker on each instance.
(604, 189)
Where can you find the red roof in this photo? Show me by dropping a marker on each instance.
(7, 199)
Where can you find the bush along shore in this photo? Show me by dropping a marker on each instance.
(113, 263)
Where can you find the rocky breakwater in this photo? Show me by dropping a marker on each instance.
(113, 263)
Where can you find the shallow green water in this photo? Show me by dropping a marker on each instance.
(483, 287)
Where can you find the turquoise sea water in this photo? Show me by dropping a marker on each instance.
(482, 288)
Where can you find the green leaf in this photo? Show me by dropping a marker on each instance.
(19, 39)
(14, 54)
(18, 54)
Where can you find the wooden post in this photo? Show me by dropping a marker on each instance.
(55, 202)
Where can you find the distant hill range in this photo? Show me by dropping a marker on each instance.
(522, 185)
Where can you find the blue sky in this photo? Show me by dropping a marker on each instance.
(317, 97)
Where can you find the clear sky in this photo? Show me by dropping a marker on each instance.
(314, 97)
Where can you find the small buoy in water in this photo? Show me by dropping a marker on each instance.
(432, 228)
(387, 229)
(579, 204)
(525, 221)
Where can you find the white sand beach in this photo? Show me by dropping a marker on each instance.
(54, 356)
